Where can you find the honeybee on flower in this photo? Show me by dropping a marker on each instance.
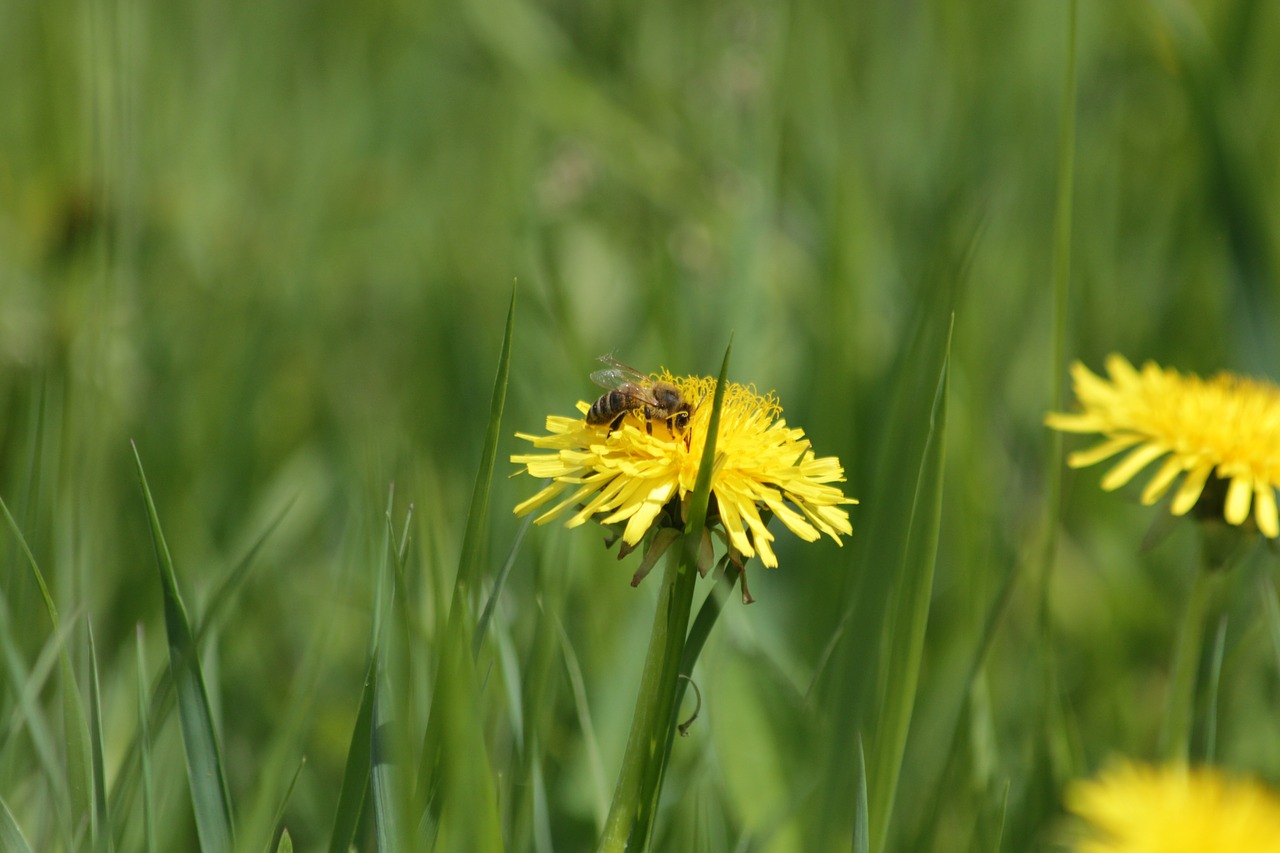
(609, 464)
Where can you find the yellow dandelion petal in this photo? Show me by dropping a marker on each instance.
(1192, 486)
(635, 473)
(1159, 484)
(794, 521)
(1140, 458)
(734, 528)
(1108, 448)
(1265, 510)
(1075, 423)
(1131, 808)
(574, 498)
(1089, 385)
(1121, 370)
(1227, 427)
(1239, 495)
(761, 538)
(527, 506)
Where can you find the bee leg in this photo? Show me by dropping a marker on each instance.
(617, 422)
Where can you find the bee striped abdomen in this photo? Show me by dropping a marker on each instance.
(611, 407)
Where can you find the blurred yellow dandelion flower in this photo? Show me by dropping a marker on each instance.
(1134, 808)
(641, 474)
(1227, 427)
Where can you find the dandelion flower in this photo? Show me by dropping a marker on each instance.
(1133, 808)
(1226, 428)
(640, 475)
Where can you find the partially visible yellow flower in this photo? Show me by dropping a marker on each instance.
(1226, 427)
(1133, 808)
(641, 481)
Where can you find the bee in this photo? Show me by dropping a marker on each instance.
(632, 391)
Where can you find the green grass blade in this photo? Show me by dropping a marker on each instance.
(79, 776)
(459, 628)
(143, 741)
(639, 787)
(209, 798)
(101, 824)
(582, 711)
(11, 838)
(162, 698)
(478, 515)
(1271, 602)
(910, 617)
(386, 781)
(1212, 692)
(468, 807)
(76, 732)
(27, 710)
(1061, 272)
(1175, 733)
(355, 776)
(956, 701)
(862, 812)
(499, 582)
(284, 802)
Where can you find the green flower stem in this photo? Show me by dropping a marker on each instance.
(635, 799)
(1176, 736)
(651, 724)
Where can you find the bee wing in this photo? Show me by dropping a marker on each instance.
(618, 374)
(624, 384)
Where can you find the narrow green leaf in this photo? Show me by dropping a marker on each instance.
(162, 697)
(386, 779)
(79, 776)
(910, 615)
(27, 710)
(143, 741)
(355, 776)
(492, 601)
(862, 813)
(76, 731)
(1211, 694)
(1271, 601)
(639, 786)
(209, 798)
(1175, 733)
(101, 823)
(590, 744)
(478, 515)
(459, 628)
(11, 838)
(467, 802)
(286, 843)
(284, 803)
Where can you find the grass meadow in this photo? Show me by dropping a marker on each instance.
(280, 281)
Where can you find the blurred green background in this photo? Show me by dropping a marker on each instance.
(273, 243)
